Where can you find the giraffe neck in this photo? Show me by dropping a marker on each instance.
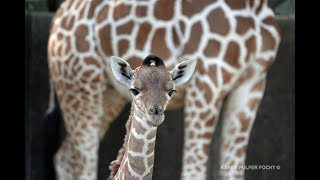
(138, 158)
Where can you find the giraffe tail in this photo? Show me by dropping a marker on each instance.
(51, 102)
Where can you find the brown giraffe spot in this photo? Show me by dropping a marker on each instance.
(191, 134)
(176, 40)
(67, 169)
(80, 33)
(150, 161)
(211, 122)
(257, 86)
(205, 148)
(105, 40)
(68, 44)
(93, 5)
(190, 159)
(254, 103)
(151, 147)
(141, 11)
(212, 49)
(59, 36)
(189, 8)
(207, 91)
(193, 94)
(151, 135)
(239, 139)
(200, 66)
(88, 73)
(244, 120)
(226, 145)
(197, 125)
(142, 36)
(163, 9)
(199, 157)
(232, 54)
(67, 22)
(213, 73)
(182, 26)
(194, 39)
(121, 11)
(251, 47)
(125, 29)
(226, 76)
(205, 135)
(198, 104)
(94, 82)
(78, 134)
(268, 41)
(75, 106)
(204, 115)
(134, 62)
(91, 61)
(84, 126)
(123, 46)
(69, 98)
(193, 114)
(218, 22)
(136, 163)
(198, 168)
(272, 22)
(240, 152)
(244, 24)
(159, 45)
(141, 130)
(103, 14)
(236, 4)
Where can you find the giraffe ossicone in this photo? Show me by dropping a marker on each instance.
(152, 87)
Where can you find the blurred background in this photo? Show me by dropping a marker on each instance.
(272, 139)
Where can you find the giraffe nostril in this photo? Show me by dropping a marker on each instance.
(156, 110)
(151, 111)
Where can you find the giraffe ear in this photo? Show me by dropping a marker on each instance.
(121, 70)
(183, 71)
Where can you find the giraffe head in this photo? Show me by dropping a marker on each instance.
(151, 84)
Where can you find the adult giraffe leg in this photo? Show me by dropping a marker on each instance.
(237, 120)
(77, 156)
(201, 113)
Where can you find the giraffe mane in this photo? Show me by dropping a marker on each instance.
(115, 165)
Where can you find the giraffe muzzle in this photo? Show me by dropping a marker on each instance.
(156, 115)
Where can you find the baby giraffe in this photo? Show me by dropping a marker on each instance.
(152, 86)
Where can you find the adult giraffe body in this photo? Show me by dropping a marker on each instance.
(233, 41)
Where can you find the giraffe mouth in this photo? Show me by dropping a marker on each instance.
(155, 120)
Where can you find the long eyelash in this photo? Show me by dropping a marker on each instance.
(134, 91)
(171, 92)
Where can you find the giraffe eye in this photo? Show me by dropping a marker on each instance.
(171, 92)
(134, 91)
